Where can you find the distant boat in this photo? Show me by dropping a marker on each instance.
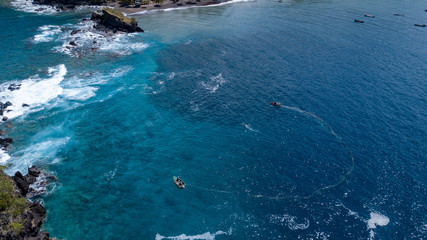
(179, 183)
(358, 21)
(371, 16)
(398, 14)
(419, 25)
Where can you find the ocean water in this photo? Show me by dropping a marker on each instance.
(343, 158)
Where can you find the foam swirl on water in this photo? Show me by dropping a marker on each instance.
(289, 221)
(48, 33)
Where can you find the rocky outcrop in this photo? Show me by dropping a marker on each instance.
(14, 86)
(20, 218)
(5, 142)
(3, 107)
(114, 20)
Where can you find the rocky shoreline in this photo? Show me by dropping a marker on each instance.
(142, 6)
(21, 218)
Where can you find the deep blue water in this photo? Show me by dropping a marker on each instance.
(190, 97)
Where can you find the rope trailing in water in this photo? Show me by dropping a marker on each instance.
(295, 197)
(342, 179)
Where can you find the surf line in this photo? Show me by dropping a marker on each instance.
(317, 191)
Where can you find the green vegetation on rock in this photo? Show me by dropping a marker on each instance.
(127, 2)
(116, 13)
(17, 227)
(10, 202)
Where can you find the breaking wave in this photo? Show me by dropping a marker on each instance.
(34, 92)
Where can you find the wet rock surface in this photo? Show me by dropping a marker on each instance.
(19, 217)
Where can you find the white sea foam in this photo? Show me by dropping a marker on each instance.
(214, 83)
(42, 186)
(38, 152)
(204, 236)
(3, 156)
(188, 7)
(80, 88)
(80, 94)
(121, 45)
(88, 40)
(289, 221)
(34, 91)
(28, 6)
(48, 33)
(376, 219)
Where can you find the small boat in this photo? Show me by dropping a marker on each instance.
(277, 104)
(358, 21)
(398, 14)
(419, 25)
(179, 183)
(371, 16)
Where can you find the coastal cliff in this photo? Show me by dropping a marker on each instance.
(20, 218)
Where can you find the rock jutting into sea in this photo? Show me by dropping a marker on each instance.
(112, 19)
(19, 217)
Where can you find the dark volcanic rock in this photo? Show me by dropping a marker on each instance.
(25, 105)
(32, 175)
(31, 217)
(75, 32)
(13, 87)
(22, 185)
(5, 142)
(114, 20)
(34, 171)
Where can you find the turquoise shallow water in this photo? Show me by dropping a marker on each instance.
(190, 97)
